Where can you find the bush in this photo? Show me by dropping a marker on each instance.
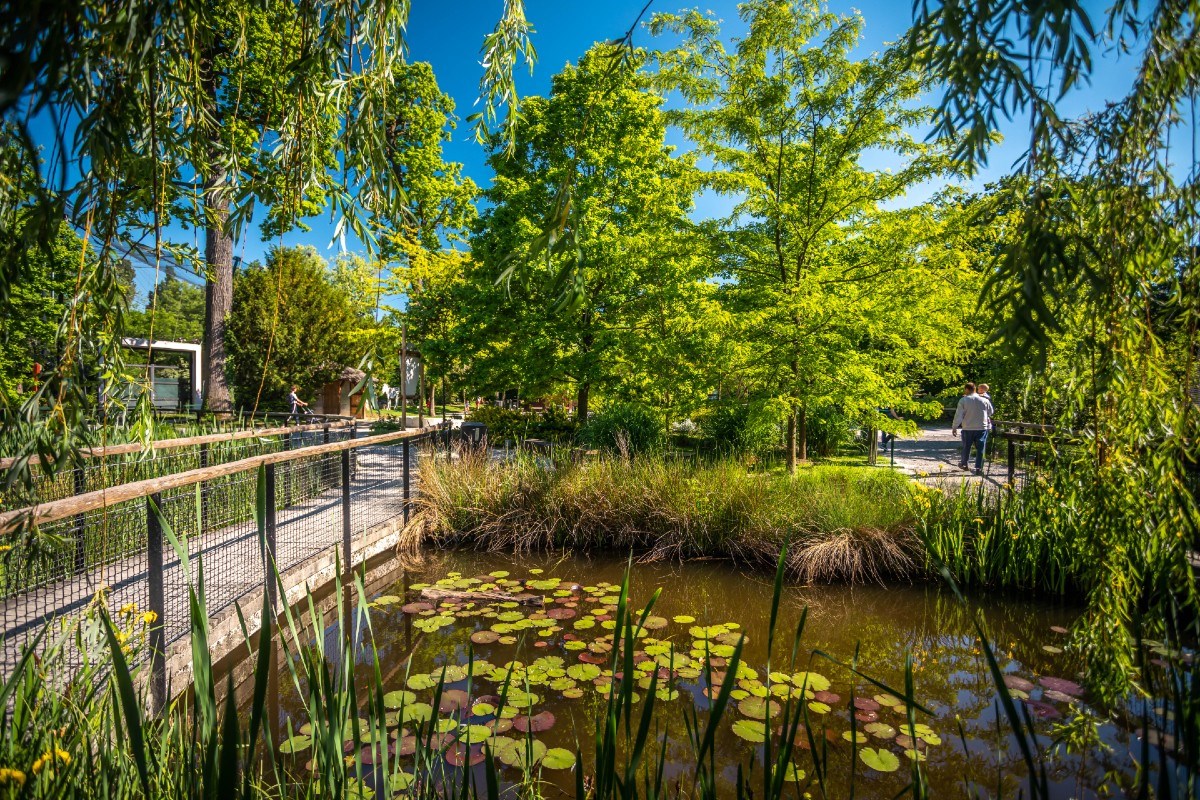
(639, 428)
(502, 423)
(733, 426)
(556, 425)
(828, 431)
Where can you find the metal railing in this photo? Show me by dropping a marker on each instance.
(113, 465)
(1027, 449)
(319, 498)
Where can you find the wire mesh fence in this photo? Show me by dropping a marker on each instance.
(322, 496)
(121, 464)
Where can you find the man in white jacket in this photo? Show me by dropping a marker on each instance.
(974, 417)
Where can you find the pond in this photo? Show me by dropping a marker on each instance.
(556, 660)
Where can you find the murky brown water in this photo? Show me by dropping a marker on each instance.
(876, 627)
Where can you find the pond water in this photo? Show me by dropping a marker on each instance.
(563, 672)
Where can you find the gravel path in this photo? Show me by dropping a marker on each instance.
(933, 456)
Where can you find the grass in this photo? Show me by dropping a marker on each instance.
(836, 523)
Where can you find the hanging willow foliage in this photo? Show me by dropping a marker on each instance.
(1098, 282)
(124, 117)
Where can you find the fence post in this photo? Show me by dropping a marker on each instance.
(154, 571)
(406, 479)
(203, 494)
(80, 522)
(1012, 461)
(346, 512)
(269, 535)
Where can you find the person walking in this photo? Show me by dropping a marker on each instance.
(297, 403)
(974, 417)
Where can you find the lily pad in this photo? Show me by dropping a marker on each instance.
(814, 681)
(758, 708)
(536, 723)
(880, 730)
(683, 619)
(295, 744)
(857, 736)
(583, 672)
(400, 781)
(1051, 649)
(398, 698)
(558, 758)
(484, 637)
(879, 759)
(1017, 682)
(818, 707)
(416, 608)
(522, 752)
(751, 730)
(793, 774)
(421, 681)
(1061, 685)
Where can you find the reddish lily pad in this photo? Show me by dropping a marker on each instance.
(1062, 685)
(866, 704)
(1042, 710)
(452, 700)
(460, 755)
(416, 608)
(537, 723)
(1019, 683)
(485, 637)
(828, 698)
(561, 613)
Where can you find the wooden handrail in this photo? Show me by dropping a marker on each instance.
(189, 441)
(89, 501)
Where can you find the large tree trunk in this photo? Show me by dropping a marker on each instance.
(790, 444)
(581, 402)
(803, 434)
(218, 297)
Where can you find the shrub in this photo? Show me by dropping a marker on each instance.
(733, 426)
(828, 430)
(502, 423)
(554, 424)
(620, 426)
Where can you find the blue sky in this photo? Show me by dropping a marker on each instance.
(449, 35)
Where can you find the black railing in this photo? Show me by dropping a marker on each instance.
(320, 499)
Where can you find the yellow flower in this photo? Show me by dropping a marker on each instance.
(129, 608)
(11, 776)
(978, 521)
(150, 617)
(47, 759)
(4, 548)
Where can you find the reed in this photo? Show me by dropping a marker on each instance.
(836, 523)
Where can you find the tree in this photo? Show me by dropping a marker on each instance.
(289, 326)
(593, 156)
(843, 302)
(438, 208)
(33, 311)
(1096, 286)
(174, 312)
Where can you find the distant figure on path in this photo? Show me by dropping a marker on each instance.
(974, 417)
(296, 402)
(983, 390)
(884, 436)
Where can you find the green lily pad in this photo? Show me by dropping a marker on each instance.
(1051, 649)
(751, 730)
(398, 698)
(683, 619)
(483, 709)
(418, 712)
(387, 600)
(818, 708)
(421, 681)
(524, 751)
(583, 672)
(858, 737)
(879, 759)
(793, 774)
(758, 708)
(558, 758)
(813, 681)
(295, 744)
(880, 730)
(400, 781)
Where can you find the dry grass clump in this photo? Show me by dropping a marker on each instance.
(839, 524)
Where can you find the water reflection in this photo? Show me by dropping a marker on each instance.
(874, 628)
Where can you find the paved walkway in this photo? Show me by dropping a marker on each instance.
(231, 556)
(933, 457)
